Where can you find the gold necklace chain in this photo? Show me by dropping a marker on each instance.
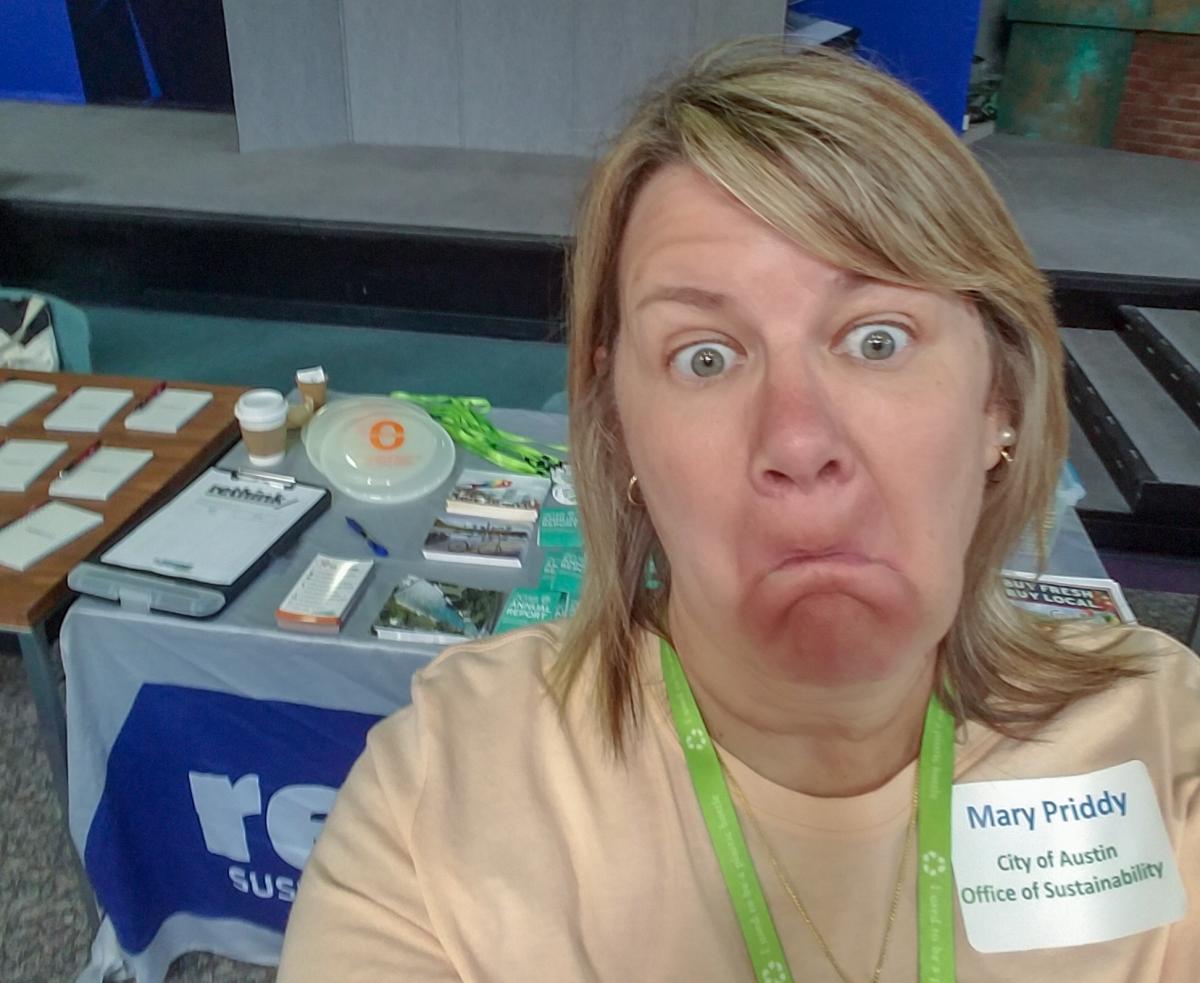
(887, 932)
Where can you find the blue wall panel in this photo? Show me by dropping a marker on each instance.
(38, 52)
(928, 45)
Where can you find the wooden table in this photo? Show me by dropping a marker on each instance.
(30, 598)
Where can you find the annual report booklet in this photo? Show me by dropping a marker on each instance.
(1084, 598)
(531, 605)
(512, 497)
(556, 595)
(490, 542)
(420, 610)
(324, 594)
(558, 527)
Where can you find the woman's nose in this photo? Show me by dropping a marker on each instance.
(798, 438)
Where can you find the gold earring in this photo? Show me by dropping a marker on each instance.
(629, 494)
(1004, 453)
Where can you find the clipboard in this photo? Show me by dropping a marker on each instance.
(204, 547)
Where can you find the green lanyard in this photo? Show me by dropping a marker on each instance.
(935, 899)
(465, 419)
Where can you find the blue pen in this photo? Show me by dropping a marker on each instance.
(377, 548)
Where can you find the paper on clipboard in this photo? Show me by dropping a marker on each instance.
(216, 528)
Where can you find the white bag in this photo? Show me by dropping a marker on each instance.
(32, 345)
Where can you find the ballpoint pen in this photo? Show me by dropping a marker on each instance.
(88, 452)
(377, 548)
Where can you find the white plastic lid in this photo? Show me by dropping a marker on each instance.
(379, 449)
(261, 409)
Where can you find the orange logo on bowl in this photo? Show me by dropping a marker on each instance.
(387, 435)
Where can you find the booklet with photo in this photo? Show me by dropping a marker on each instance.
(1084, 598)
(491, 542)
(421, 610)
(511, 497)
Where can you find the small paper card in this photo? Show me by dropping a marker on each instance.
(88, 409)
(38, 534)
(1041, 863)
(101, 474)
(19, 396)
(168, 411)
(21, 461)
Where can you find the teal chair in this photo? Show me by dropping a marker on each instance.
(71, 330)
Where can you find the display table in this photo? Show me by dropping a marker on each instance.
(205, 754)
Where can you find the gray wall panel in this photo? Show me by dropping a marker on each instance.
(289, 84)
(620, 47)
(723, 20)
(402, 72)
(533, 76)
(517, 60)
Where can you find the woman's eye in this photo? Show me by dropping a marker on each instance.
(703, 360)
(875, 342)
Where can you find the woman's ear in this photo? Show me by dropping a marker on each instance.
(599, 360)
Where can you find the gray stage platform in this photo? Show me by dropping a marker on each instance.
(1080, 208)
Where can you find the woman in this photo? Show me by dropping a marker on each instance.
(815, 383)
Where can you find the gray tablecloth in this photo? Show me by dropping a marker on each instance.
(112, 655)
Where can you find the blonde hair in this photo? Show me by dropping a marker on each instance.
(854, 166)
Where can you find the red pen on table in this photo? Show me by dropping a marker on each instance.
(149, 396)
(88, 452)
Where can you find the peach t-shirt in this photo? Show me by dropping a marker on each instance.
(481, 837)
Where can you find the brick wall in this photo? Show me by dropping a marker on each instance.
(1160, 108)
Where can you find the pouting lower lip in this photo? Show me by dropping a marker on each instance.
(836, 556)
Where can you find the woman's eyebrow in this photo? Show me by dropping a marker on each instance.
(711, 300)
(707, 300)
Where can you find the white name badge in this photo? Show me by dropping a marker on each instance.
(1043, 863)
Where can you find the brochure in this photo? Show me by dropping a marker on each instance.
(1084, 598)
(435, 611)
(323, 595)
(511, 497)
(491, 542)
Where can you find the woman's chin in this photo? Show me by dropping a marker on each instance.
(837, 635)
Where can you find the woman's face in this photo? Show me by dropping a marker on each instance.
(812, 446)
